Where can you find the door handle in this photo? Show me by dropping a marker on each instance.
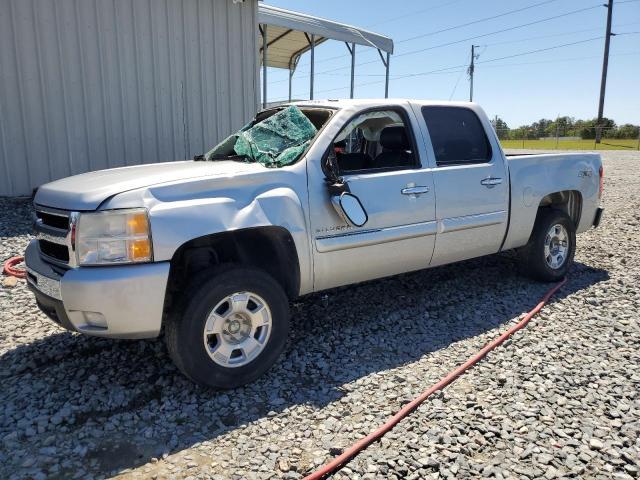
(417, 190)
(491, 182)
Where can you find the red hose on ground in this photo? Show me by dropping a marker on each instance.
(10, 267)
(356, 448)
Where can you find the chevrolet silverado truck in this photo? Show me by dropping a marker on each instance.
(308, 196)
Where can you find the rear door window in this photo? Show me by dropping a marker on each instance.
(457, 135)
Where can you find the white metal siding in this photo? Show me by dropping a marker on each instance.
(93, 84)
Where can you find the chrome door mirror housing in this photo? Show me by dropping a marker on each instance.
(350, 209)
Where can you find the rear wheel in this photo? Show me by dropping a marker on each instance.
(549, 253)
(230, 329)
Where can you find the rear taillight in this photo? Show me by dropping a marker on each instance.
(601, 173)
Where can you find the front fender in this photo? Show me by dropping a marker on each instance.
(177, 222)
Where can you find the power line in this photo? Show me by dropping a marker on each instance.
(444, 69)
(462, 25)
(543, 49)
(455, 86)
(540, 37)
(530, 52)
(473, 22)
(506, 42)
(415, 12)
(461, 71)
(498, 43)
(450, 70)
(559, 60)
(495, 32)
(465, 39)
(470, 38)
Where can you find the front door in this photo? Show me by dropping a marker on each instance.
(378, 158)
(472, 184)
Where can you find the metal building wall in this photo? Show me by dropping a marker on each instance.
(93, 84)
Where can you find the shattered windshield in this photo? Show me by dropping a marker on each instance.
(276, 141)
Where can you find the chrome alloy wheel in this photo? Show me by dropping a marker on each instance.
(237, 329)
(556, 246)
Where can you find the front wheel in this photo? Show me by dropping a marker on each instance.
(549, 253)
(230, 329)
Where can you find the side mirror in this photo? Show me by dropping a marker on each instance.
(350, 209)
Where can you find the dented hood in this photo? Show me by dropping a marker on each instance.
(88, 190)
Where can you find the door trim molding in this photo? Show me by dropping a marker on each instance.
(365, 238)
(465, 222)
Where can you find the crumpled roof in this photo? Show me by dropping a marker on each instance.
(278, 140)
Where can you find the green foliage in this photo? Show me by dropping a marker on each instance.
(571, 144)
(565, 127)
(501, 127)
(628, 131)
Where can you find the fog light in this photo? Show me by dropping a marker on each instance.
(95, 319)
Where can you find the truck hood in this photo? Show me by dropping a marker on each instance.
(88, 190)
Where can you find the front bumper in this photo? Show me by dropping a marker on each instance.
(113, 301)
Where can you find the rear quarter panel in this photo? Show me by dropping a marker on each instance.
(535, 176)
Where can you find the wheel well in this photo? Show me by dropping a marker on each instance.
(269, 248)
(568, 201)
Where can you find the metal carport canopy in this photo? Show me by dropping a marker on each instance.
(286, 35)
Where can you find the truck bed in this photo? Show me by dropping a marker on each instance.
(534, 176)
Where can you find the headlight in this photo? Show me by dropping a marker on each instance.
(113, 236)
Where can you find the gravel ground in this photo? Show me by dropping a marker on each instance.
(561, 398)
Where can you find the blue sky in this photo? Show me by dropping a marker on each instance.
(521, 89)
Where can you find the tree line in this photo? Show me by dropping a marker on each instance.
(564, 127)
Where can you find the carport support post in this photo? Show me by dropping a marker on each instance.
(386, 77)
(352, 52)
(290, 78)
(313, 48)
(353, 67)
(263, 30)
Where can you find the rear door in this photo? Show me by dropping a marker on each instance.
(471, 182)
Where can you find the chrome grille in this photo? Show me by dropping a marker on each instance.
(52, 228)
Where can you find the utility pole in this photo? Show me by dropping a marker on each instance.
(471, 69)
(605, 66)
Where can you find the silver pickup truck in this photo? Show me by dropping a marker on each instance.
(306, 197)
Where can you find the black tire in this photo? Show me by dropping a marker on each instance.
(185, 328)
(532, 256)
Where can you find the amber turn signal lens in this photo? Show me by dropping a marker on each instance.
(138, 224)
(140, 250)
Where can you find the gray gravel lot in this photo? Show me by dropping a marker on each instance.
(560, 399)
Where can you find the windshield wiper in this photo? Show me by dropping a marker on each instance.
(235, 158)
